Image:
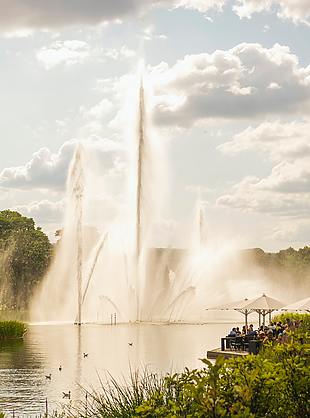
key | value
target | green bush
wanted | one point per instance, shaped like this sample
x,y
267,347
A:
x,y
275,383
303,318
12,329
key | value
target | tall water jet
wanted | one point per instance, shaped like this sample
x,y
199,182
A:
x,y
199,228
98,250
76,179
140,169
59,297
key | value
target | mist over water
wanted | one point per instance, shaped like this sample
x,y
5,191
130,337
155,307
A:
x,y
107,270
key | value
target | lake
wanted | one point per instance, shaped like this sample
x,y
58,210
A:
x,y
110,349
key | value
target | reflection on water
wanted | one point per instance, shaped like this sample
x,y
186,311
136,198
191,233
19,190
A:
x,y
24,365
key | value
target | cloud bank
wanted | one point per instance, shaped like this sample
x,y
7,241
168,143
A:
x,y
286,190
44,211
48,14
246,81
295,10
48,171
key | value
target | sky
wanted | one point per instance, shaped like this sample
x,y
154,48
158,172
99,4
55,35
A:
x,y
231,101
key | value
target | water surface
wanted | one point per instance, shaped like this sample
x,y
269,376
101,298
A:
x,y
25,365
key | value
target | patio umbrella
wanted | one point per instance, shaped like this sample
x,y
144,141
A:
x,y
300,305
264,305
238,306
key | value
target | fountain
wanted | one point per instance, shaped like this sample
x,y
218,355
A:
x,y
117,276
140,167
77,181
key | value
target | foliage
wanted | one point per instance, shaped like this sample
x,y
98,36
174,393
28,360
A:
x,y
285,263
117,400
26,254
289,316
12,329
275,383
254,386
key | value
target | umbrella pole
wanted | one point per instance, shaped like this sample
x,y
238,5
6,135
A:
x,y
269,317
246,319
259,318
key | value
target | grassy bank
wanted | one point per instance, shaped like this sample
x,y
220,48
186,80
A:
x,y
10,330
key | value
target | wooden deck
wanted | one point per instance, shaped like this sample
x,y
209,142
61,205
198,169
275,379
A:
x,y
213,354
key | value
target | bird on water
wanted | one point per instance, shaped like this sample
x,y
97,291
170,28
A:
x,y
66,394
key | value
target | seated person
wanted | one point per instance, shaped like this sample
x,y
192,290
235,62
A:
x,y
244,330
251,331
232,333
261,336
238,332
269,337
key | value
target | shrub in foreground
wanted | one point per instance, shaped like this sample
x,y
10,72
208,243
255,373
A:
x,y
275,383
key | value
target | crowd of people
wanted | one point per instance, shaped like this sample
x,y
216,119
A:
x,y
275,331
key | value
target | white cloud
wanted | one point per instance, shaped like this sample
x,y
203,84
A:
x,y
245,8
48,171
149,33
98,111
96,117
270,195
246,81
50,14
286,190
201,5
71,52
58,13
295,10
287,231
21,33
266,28
33,14
68,52
44,211
117,54
279,140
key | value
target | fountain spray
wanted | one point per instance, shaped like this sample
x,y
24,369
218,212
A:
x,y
77,181
140,168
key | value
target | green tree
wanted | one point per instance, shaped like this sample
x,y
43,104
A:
x,y
27,253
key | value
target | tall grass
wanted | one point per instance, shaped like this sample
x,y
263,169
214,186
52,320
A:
x,y
12,329
116,400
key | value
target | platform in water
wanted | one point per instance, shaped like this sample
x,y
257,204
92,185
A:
x,y
217,352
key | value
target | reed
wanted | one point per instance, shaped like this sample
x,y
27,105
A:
x,y
116,400
11,330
